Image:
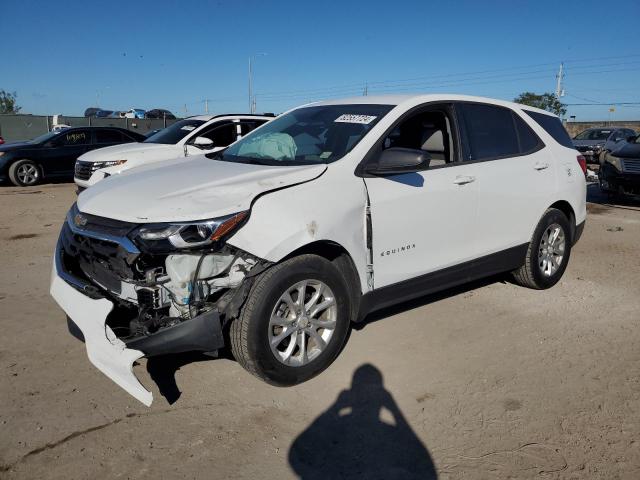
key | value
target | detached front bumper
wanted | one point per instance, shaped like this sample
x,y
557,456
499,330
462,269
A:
x,y
88,309
622,182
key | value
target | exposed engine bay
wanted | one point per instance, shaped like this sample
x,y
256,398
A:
x,y
154,288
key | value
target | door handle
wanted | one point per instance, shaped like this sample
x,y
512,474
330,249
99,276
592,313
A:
x,y
541,166
463,180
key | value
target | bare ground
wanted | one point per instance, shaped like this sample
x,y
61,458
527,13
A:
x,y
486,381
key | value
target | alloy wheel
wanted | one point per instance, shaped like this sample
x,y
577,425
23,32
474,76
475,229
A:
x,y
27,174
551,250
302,322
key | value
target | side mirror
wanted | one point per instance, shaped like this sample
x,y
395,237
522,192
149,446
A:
x,y
203,142
631,138
396,161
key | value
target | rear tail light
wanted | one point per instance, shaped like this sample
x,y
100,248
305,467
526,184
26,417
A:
x,y
1,140
583,163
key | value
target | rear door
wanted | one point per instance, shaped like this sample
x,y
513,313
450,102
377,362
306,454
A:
x,y
515,175
105,137
424,221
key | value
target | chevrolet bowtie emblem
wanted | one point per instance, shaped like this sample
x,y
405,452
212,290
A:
x,y
80,220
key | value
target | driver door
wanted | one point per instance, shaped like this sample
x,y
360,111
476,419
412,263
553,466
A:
x,y
423,222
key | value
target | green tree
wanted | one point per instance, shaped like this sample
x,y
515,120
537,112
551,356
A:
x,y
546,101
8,102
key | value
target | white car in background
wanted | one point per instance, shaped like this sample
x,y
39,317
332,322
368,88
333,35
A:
x,y
191,136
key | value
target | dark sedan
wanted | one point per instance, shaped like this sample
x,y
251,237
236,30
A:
x,y
620,169
594,142
54,154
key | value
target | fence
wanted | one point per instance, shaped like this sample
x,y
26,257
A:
x,y
16,128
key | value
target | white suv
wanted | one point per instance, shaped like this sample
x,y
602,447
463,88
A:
x,y
191,136
274,246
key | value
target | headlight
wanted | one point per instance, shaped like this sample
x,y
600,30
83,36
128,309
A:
x,y
168,236
112,163
615,161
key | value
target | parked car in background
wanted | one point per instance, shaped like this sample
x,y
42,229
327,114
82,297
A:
x,y
91,111
160,113
134,113
595,141
275,245
103,113
191,136
620,169
54,154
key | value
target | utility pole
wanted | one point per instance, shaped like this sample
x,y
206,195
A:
x,y
252,99
206,105
366,89
559,78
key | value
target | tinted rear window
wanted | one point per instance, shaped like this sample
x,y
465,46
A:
x,y
490,132
553,127
529,141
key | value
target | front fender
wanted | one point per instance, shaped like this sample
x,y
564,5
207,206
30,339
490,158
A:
x,y
329,208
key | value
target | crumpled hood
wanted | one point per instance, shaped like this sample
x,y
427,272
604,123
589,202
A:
x,y
188,189
627,150
120,152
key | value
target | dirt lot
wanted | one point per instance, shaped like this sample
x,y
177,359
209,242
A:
x,y
488,381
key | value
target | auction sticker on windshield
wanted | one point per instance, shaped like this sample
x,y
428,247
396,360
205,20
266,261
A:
x,y
353,118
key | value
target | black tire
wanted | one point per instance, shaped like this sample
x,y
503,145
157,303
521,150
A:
x,y
530,274
250,332
18,176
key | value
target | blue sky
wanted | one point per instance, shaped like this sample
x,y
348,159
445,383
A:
x,y
61,57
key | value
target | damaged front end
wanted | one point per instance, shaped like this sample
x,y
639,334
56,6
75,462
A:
x,y
149,289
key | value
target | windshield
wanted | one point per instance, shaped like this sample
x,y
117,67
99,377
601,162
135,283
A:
x,y
176,132
307,135
44,137
595,134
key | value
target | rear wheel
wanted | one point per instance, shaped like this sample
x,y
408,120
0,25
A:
x,y
294,322
548,252
25,173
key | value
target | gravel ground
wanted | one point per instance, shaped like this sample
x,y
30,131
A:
x,y
486,381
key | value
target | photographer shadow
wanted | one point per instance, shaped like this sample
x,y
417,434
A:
x,y
353,440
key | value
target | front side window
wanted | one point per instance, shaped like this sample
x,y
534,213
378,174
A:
x,y
221,134
308,135
176,132
490,132
428,131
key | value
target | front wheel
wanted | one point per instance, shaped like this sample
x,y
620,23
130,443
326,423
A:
x,y
548,252
24,173
294,321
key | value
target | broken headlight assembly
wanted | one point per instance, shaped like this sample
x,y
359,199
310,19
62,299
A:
x,y
167,237
615,161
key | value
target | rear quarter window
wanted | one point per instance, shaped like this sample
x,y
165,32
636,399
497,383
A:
x,y
552,126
